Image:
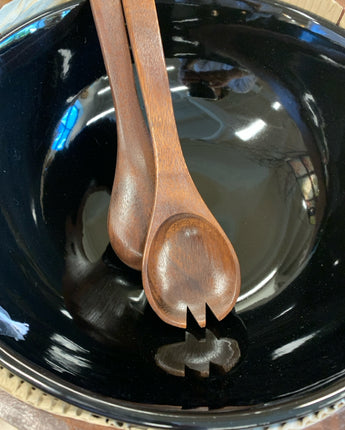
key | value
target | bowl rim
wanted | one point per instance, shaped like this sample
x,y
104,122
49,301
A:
x,y
235,417
299,405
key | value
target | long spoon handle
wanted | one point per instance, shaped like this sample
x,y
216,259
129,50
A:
x,y
173,183
112,34
133,190
144,33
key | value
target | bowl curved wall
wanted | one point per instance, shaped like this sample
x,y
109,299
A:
x,y
265,149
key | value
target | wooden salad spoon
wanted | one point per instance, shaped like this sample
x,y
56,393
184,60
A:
x,y
188,260
133,189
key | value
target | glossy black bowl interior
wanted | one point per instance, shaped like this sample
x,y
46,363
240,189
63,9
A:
x,y
270,164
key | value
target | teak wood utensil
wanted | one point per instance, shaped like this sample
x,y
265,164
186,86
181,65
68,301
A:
x,y
133,189
188,260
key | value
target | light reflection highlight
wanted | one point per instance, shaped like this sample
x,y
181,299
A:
x,y
260,285
18,35
276,106
252,130
179,88
33,211
311,103
29,29
66,55
66,313
104,91
284,312
101,115
57,338
292,346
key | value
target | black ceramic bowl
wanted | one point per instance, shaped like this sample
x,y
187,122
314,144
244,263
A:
x,y
267,154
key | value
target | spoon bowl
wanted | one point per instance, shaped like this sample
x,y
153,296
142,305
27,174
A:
x,y
188,257
133,188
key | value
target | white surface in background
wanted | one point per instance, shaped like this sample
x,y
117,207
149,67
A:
x,y
19,11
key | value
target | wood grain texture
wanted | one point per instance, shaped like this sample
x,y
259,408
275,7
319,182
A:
x,y
334,422
342,21
133,189
341,2
79,425
188,260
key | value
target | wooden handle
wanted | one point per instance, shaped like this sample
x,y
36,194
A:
x,y
111,31
133,190
173,183
144,33
188,260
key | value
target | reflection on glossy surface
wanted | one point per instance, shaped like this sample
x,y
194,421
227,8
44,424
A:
x,y
199,355
272,216
103,296
94,220
268,162
9,327
29,29
290,347
66,125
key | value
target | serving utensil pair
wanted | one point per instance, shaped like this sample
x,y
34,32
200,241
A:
x,y
158,222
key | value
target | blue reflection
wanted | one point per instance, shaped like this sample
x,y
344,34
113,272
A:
x,y
315,30
66,125
315,27
65,12
308,37
28,29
